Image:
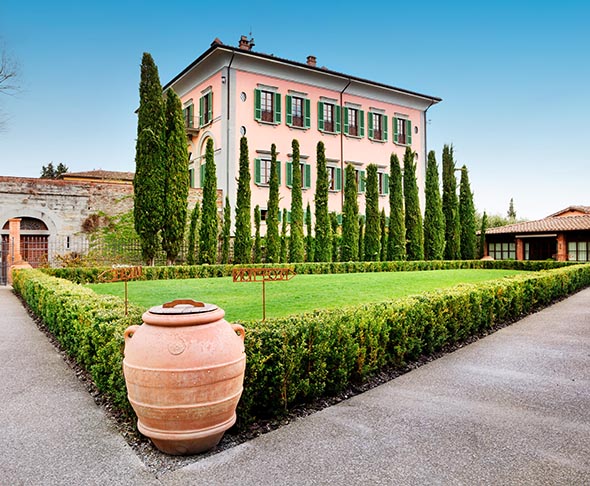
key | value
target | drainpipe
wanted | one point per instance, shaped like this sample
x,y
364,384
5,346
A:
x,y
342,175
228,122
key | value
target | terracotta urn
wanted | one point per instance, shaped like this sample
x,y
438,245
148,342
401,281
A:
x,y
184,370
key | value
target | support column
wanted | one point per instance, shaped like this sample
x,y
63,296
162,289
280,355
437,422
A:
x,y
519,249
561,248
15,259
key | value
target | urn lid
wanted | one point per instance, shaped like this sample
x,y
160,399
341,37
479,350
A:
x,y
183,307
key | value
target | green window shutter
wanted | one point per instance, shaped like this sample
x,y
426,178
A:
x,y
320,116
385,184
339,218
345,120
280,215
210,111
201,111
362,181
279,171
202,176
277,107
307,176
257,171
257,111
289,217
370,124
395,134
361,121
385,121
408,132
191,115
338,181
289,110
338,114
191,177
307,114
289,174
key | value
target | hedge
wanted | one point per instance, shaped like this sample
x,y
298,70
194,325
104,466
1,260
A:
x,y
299,358
91,275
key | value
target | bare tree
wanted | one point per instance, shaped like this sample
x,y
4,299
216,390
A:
x,y
8,77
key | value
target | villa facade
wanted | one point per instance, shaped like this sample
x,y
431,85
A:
x,y
230,92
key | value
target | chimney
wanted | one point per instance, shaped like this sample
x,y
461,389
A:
x,y
246,44
311,61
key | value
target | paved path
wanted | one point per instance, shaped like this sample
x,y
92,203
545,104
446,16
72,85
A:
x,y
513,408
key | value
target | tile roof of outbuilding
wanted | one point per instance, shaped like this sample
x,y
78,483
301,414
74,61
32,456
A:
x,y
548,225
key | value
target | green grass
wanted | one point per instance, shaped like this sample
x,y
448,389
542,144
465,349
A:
x,y
304,293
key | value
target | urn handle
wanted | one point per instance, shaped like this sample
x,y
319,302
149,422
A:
x,y
130,331
174,303
240,330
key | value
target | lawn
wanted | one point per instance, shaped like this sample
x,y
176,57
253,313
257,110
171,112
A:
x,y
243,301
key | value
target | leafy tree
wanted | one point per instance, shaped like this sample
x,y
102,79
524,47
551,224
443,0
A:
x,y
192,235
49,172
350,216
414,229
396,242
257,240
273,242
176,179
372,228
243,239
148,183
336,238
309,237
511,212
383,241
296,244
226,232
284,245
450,206
209,223
434,222
323,245
467,217
482,235
361,237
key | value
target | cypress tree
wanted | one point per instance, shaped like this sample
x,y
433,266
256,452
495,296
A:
x,y
361,238
434,223
450,206
336,238
209,223
148,183
414,229
482,234
283,253
383,242
396,242
273,242
257,240
511,212
309,237
192,236
225,234
350,216
467,217
323,245
372,224
243,239
296,244
176,179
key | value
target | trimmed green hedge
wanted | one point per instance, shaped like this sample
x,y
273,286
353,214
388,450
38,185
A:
x,y
299,358
91,275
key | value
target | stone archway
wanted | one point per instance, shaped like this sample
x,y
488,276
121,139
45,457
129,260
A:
x,y
33,241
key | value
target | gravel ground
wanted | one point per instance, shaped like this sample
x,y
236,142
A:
x,y
160,463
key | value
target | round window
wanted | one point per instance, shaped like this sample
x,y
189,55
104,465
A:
x,y
242,131
243,96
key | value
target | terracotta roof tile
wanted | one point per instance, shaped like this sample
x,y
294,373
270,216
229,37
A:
x,y
551,224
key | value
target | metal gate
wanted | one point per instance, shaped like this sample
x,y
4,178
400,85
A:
x,y
4,260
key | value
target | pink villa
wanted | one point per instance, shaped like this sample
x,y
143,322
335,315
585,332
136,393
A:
x,y
230,92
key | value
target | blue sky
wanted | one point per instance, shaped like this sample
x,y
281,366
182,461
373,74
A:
x,y
513,77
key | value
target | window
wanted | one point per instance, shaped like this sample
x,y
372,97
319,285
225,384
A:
x,y
262,171
328,117
206,109
377,126
502,251
578,251
334,178
202,176
297,111
383,183
267,106
402,131
305,175
360,180
189,116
